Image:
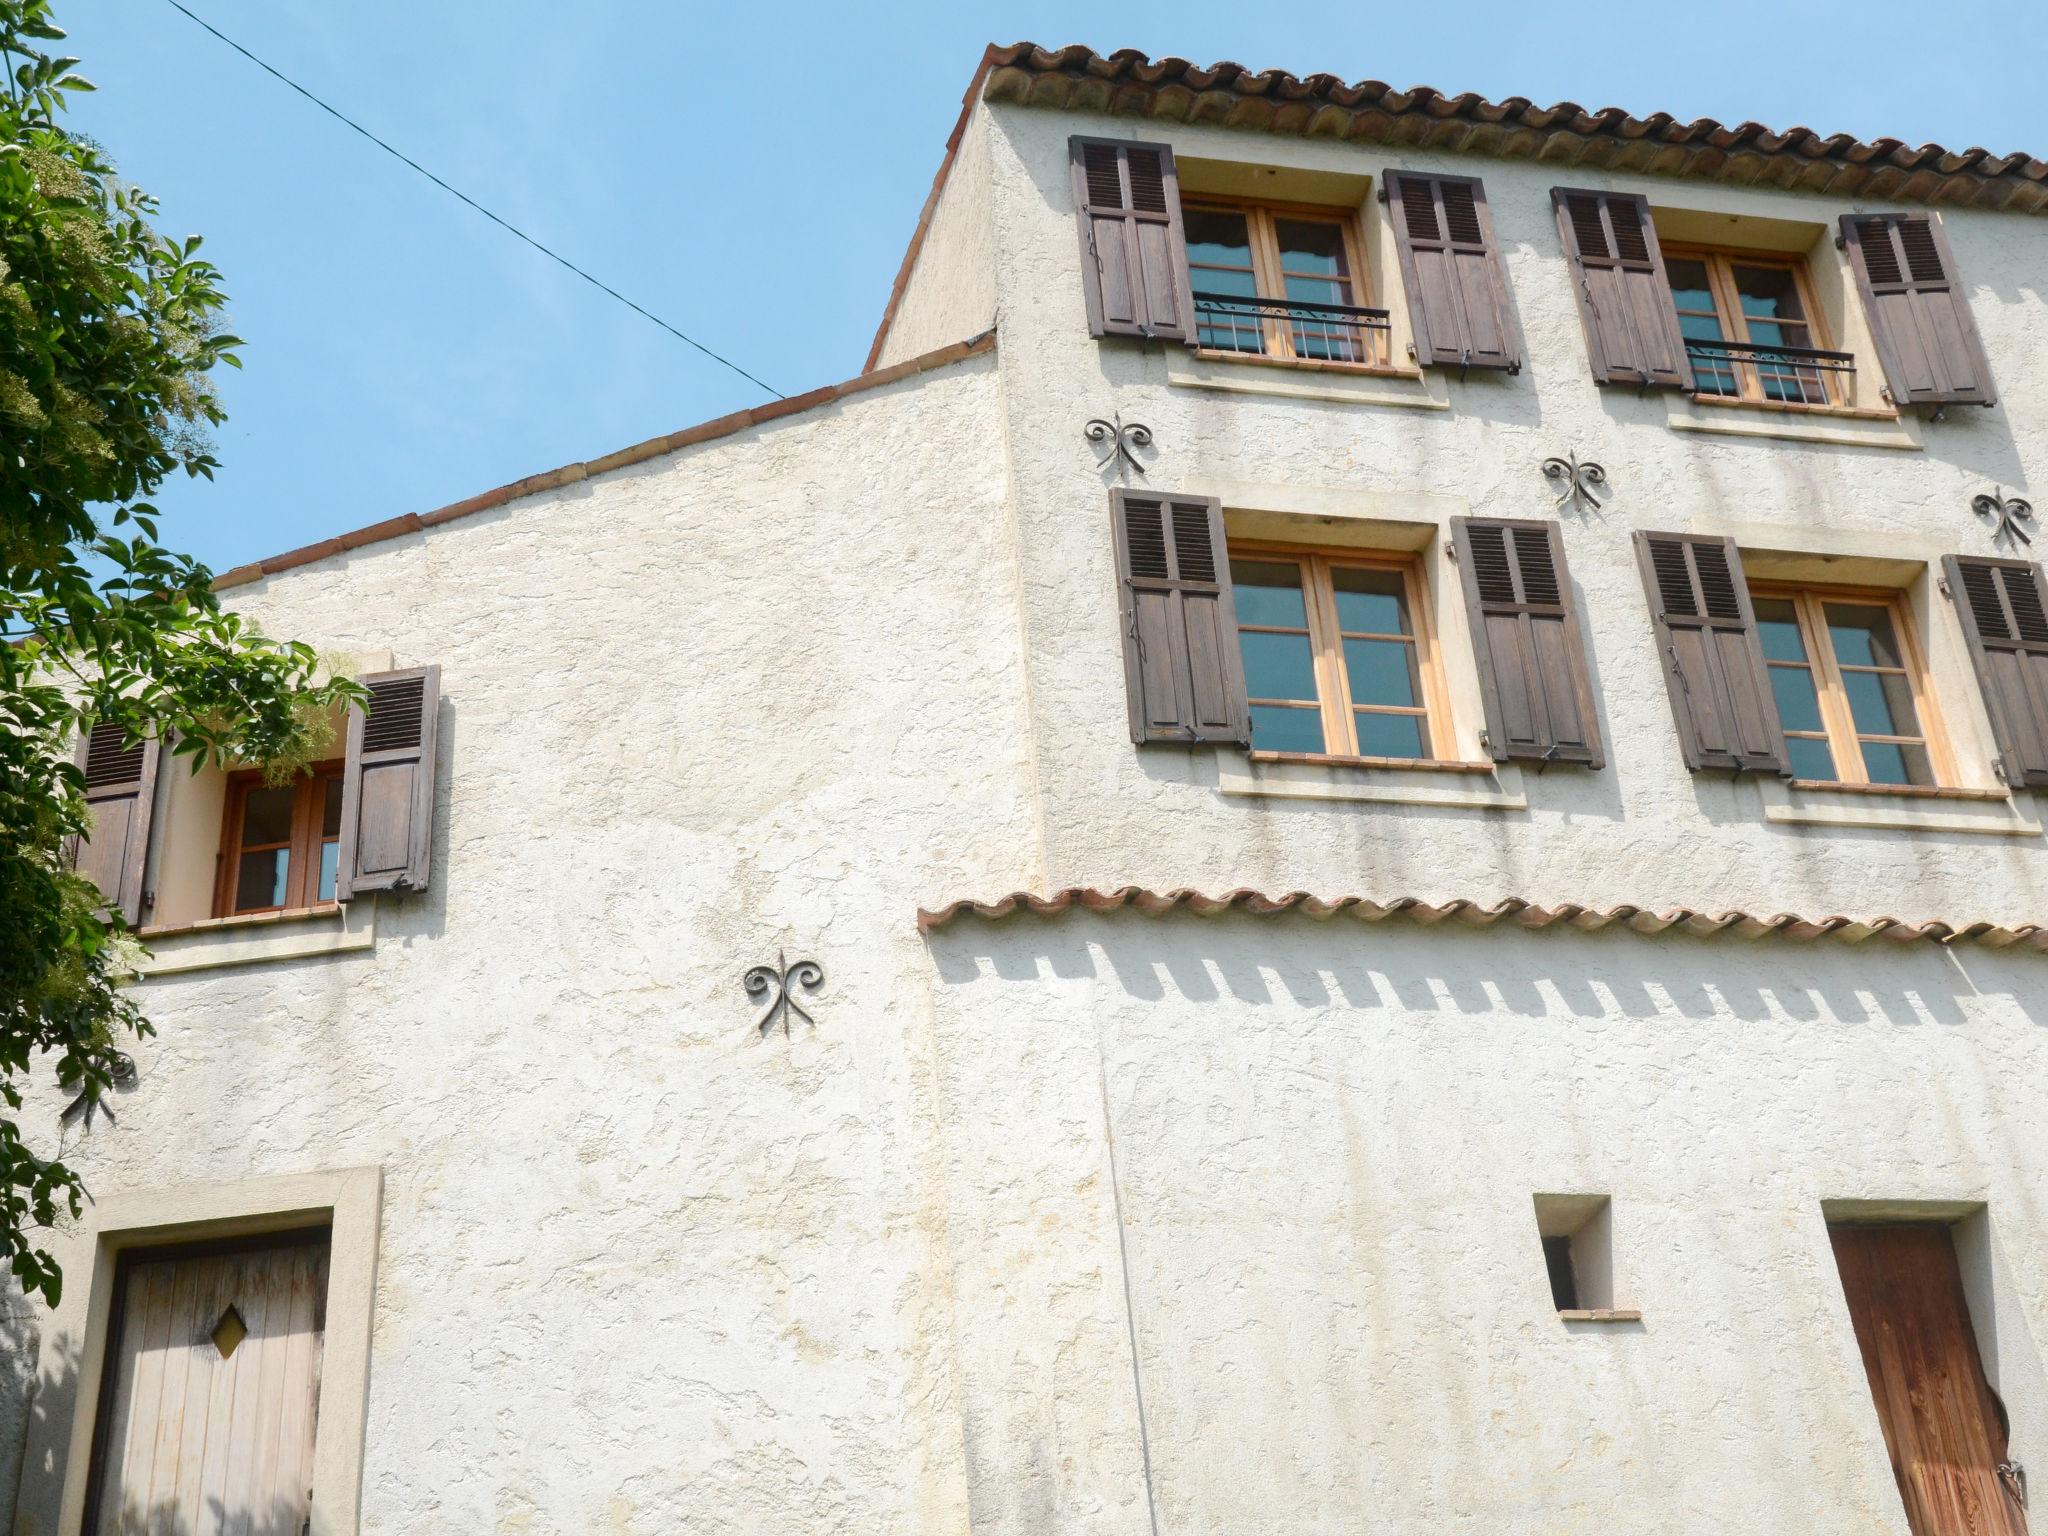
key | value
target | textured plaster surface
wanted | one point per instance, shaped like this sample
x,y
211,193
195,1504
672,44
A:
x,y
951,294
1643,830
642,1270
1324,1145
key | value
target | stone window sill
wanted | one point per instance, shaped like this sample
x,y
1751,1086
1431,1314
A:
x,y
1288,378
1794,408
1387,781
1599,1315
1812,803
1900,791
1307,364
291,935
1841,425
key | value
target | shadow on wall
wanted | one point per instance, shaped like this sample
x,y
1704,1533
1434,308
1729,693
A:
x,y
19,1339
1403,967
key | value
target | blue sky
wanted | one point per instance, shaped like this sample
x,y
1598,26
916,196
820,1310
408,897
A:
x,y
751,173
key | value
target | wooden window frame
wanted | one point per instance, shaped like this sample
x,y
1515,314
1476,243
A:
x,y
1844,741
1270,283
1720,262
1333,694
302,888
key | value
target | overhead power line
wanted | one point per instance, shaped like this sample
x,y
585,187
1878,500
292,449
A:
x,y
505,224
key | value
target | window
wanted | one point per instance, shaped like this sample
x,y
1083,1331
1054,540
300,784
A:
x,y
1338,654
1282,281
1850,685
279,843
1752,330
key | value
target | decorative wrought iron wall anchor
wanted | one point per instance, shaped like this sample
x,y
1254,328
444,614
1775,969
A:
x,y
123,1077
2008,515
1118,437
1579,484
775,985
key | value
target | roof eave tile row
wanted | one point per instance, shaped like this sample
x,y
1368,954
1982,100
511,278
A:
x,y
1127,83
1513,912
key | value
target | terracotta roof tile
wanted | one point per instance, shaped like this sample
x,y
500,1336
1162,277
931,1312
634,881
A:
x,y
1513,911
1129,84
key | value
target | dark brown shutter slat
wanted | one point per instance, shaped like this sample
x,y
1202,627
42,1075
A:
x,y
1713,656
1183,675
120,790
1624,296
2003,608
1134,258
1525,637
387,786
1450,265
1920,319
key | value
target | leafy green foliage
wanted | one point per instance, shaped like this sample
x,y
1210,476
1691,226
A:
x,y
109,332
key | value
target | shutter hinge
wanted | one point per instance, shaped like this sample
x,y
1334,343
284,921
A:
x,y
1998,772
1382,193
1841,242
1941,586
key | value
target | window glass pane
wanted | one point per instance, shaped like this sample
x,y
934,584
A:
x,y
330,860
267,816
330,815
1269,593
1219,237
1798,699
1390,735
1311,248
1381,672
1778,627
1371,602
1767,294
260,879
1276,729
1811,759
1277,666
1689,290
1888,762
1862,635
1881,704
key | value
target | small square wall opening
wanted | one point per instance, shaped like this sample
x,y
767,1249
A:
x,y
1578,1253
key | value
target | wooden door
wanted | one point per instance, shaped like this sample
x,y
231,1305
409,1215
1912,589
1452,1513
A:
x,y
213,1379
1941,1424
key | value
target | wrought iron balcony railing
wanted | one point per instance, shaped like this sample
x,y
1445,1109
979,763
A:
x,y
1333,333
1796,375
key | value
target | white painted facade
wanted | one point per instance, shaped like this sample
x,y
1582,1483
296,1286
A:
x,y
1113,1223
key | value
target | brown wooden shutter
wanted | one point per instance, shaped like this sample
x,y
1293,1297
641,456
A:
x,y
2003,606
387,786
1450,265
1624,297
1941,1426
120,789
1134,255
1919,317
1525,637
1713,657
1182,670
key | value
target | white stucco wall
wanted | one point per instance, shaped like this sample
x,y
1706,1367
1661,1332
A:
x,y
1643,830
1323,1140
642,1270
951,292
